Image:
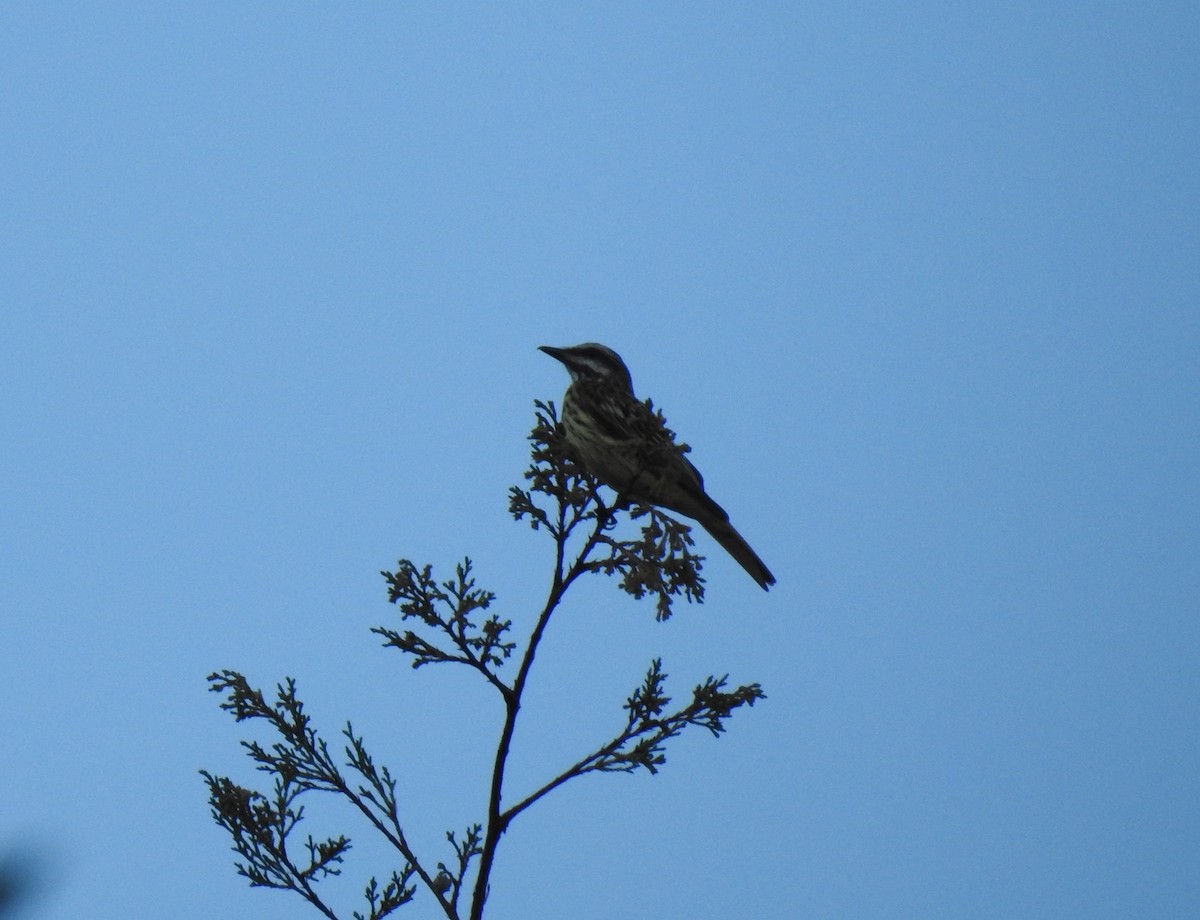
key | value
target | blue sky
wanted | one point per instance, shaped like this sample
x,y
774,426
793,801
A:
x,y
919,285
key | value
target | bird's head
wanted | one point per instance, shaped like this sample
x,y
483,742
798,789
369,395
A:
x,y
590,361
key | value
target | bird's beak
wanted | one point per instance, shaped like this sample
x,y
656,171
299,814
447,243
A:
x,y
553,352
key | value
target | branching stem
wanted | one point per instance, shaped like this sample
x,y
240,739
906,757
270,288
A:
x,y
497,820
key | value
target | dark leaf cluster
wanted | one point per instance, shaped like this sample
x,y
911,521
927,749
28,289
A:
x,y
300,762
648,727
446,608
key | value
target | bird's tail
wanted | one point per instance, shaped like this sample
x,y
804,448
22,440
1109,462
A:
x,y
725,534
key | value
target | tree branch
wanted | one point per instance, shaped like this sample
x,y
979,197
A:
x,y
453,623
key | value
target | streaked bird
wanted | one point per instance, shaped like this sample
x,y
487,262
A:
x,y
618,439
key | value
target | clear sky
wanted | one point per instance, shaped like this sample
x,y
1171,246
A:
x,y
920,284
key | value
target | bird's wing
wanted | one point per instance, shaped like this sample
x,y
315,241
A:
x,y
680,486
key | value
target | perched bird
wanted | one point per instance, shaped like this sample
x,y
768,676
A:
x,y
619,440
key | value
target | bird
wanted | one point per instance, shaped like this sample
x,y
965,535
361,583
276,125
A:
x,y
623,443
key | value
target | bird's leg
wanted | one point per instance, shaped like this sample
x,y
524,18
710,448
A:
x,y
624,499
607,514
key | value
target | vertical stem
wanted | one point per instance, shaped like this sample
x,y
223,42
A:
x,y
512,705
497,822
